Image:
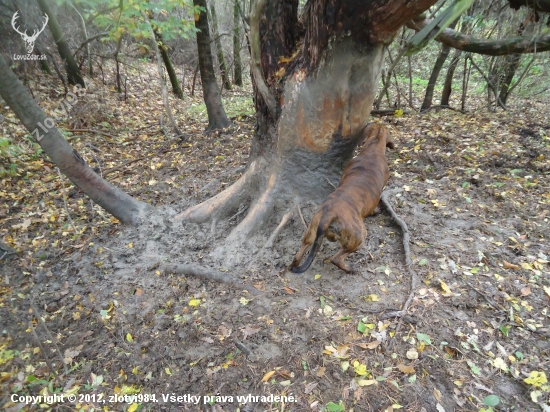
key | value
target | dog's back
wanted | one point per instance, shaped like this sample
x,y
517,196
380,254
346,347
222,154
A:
x,y
340,217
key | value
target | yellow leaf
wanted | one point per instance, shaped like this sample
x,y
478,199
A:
x,y
135,371
398,113
167,370
536,378
372,298
244,301
129,390
130,245
129,337
195,303
133,407
360,368
317,276
268,375
446,289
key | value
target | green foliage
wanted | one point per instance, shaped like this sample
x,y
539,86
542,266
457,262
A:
x,y
234,106
171,18
7,151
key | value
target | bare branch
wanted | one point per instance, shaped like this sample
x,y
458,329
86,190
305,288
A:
x,y
456,40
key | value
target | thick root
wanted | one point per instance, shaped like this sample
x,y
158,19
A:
x,y
225,201
257,215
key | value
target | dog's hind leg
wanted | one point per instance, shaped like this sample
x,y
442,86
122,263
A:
x,y
338,259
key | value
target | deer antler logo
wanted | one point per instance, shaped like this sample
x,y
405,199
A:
x,y
29,40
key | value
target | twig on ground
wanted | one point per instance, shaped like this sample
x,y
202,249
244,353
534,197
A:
x,y
489,301
442,106
209,274
408,261
91,131
240,212
57,350
301,216
65,201
137,159
242,347
284,220
330,183
46,358
123,165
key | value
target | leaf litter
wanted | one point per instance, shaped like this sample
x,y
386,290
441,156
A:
x,y
475,198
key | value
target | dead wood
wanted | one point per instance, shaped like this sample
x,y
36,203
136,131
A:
x,y
208,274
408,261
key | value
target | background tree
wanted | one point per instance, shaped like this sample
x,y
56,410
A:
x,y
217,119
73,71
163,49
237,64
219,49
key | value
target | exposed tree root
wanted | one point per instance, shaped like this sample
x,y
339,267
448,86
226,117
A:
x,y
224,201
408,262
257,214
286,217
207,273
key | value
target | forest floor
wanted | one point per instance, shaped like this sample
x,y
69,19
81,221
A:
x,y
474,192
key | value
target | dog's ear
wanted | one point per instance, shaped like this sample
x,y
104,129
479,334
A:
x,y
389,139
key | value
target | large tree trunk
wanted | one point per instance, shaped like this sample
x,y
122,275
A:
x,y
218,42
237,64
217,119
511,65
73,71
314,90
113,200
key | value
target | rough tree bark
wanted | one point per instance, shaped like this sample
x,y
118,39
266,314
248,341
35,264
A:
x,y
219,49
314,88
73,72
113,200
237,64
217,119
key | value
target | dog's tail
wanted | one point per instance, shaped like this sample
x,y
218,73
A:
x,y
324,224
305,266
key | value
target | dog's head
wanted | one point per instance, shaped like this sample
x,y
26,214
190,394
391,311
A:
x,y
378,131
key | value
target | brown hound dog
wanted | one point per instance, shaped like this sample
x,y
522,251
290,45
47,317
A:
x,y
340,217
